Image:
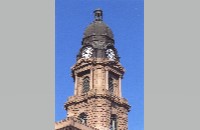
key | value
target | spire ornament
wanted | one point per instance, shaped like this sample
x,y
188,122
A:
x,y
98,15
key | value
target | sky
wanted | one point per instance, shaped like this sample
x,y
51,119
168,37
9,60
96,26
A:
x,y
126,20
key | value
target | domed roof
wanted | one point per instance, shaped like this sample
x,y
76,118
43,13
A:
x,y
98,27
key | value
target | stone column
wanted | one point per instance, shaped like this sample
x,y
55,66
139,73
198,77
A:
x,y
75,87
120,89
106,78
91,78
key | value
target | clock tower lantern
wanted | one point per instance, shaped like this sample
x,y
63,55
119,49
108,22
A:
x,y
97,102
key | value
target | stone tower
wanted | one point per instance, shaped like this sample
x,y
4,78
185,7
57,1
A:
x,y
97,101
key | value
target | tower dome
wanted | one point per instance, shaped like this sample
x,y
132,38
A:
x,y
98,39
98,27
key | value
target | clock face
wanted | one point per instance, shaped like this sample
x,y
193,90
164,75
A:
x,y
110,54
87,52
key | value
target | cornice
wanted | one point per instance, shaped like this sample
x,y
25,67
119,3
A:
x,y
104,94
86,64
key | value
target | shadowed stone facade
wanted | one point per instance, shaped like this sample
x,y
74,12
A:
x,y
97,103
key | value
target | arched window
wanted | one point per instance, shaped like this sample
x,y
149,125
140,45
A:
x,y
110,85
86,84
83,118
113,122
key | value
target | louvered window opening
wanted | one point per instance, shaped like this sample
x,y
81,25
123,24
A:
x,y
111,85
86,84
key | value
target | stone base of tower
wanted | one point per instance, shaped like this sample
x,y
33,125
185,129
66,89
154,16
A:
x,y
99,106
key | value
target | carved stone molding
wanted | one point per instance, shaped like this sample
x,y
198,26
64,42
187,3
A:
x,y
105,94
87,64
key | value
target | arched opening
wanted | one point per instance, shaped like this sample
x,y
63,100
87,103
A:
x,y
86,84
83,118
113,122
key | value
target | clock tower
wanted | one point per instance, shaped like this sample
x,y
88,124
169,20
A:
x,y
97,102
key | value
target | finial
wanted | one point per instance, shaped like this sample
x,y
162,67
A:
x,y
98,15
